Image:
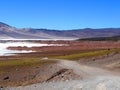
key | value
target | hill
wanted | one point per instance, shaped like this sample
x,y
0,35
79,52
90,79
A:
x,y
10,32
114,38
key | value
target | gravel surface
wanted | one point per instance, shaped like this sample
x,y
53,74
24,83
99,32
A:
x,y
97,83
92,79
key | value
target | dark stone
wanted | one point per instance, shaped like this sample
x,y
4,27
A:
x,y
93,59
1,88
6,78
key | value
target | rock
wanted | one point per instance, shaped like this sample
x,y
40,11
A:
x,y
17,69
6,78
1,88
101,86
78,87
45,58
67,80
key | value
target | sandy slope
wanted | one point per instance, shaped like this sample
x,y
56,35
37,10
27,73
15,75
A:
x,y
92,79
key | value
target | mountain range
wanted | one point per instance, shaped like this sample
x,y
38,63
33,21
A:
x,y
10,32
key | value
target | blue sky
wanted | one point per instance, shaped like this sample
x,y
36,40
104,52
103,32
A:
x,y
61,14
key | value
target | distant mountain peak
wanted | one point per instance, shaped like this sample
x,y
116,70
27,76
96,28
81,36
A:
x,y
4,25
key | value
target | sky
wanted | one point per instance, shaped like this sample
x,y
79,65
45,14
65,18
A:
x,y
61,14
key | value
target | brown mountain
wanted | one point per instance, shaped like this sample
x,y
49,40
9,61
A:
x,y
9,32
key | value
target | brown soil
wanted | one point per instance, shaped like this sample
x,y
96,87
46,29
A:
x,y
27,75
52,72
110,61
73,45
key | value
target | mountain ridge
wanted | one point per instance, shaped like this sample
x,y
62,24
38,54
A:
x,y
10,32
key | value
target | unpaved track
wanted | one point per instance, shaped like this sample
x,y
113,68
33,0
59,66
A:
x,y
82,69
92,79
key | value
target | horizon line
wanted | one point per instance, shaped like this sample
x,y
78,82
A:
x,y
61,29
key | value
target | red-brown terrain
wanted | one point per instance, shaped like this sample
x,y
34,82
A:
x,y
37,73
72,45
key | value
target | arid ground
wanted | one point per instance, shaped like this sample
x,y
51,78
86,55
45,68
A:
x,y
75,65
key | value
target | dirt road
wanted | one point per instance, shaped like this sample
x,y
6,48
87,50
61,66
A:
x,y
92,79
